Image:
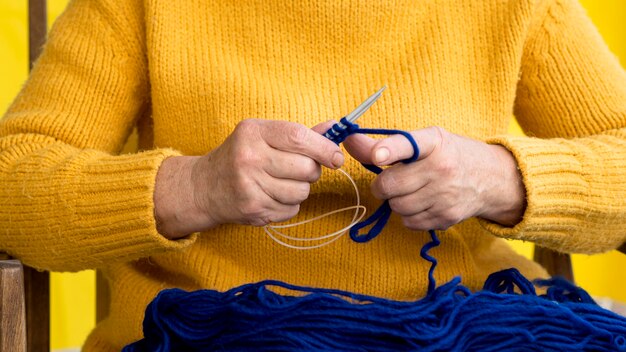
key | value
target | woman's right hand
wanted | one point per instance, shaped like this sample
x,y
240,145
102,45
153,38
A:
x,y
260,174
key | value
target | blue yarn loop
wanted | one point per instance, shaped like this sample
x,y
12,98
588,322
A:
x,y
506,315
380,217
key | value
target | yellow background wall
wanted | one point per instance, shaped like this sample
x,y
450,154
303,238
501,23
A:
x,y
73,295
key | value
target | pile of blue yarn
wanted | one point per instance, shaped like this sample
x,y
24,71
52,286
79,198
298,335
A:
x,y
252,317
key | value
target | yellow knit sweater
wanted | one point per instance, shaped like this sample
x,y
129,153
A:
x,y
186,72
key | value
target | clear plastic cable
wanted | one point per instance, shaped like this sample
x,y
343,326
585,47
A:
x,y
359,212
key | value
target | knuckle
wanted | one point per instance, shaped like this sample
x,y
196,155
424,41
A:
x,y
285,215
252,209
440,132
326,149
301,192
317,173
410,222
452,217
385,184
393,182
454,193
297,135
311,170
247,126
245,156
440,136
446,225
398,205
258,222
293,211
447,167
290,194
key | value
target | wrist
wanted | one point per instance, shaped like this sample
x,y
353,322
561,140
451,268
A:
x,y
175,210
506,202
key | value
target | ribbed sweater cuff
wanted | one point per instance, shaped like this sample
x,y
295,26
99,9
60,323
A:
x,y
555,193
114,212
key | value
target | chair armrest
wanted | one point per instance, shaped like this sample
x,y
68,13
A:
x,y
12,306
557,264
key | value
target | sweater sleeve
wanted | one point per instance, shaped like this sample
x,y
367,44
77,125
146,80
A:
x,y
69,202
571,99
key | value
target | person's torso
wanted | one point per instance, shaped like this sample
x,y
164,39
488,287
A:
x,y
212,64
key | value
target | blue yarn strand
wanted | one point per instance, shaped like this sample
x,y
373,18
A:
x,y
450,317
424,254
379,218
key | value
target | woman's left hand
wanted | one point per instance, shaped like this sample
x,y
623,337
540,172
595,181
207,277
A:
x,y
455,178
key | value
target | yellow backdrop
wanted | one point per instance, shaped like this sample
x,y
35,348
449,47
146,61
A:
x,y
73,295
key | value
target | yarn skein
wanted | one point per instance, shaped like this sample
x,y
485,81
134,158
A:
x,y
252,317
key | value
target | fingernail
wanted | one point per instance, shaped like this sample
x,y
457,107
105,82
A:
x,y
338,159
381,155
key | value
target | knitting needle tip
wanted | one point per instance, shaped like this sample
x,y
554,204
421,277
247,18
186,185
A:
x,y
361,109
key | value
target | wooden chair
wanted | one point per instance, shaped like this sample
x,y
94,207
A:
x,y
25,292
25,295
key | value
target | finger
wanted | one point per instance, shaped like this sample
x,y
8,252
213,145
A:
x,y
397,147
283,212
399,180
437,217
292,166
287,192
413,203
296,138
360,147
423,221
322,127
273,212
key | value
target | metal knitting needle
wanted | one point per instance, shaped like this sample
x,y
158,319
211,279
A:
x,y
356,113
361,109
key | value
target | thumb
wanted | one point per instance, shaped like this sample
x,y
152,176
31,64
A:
x,y
397,147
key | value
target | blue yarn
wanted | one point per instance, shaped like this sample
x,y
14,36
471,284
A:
x,y
424,254
380,217
252,317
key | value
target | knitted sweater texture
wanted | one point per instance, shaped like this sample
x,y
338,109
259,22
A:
x,y
186,72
